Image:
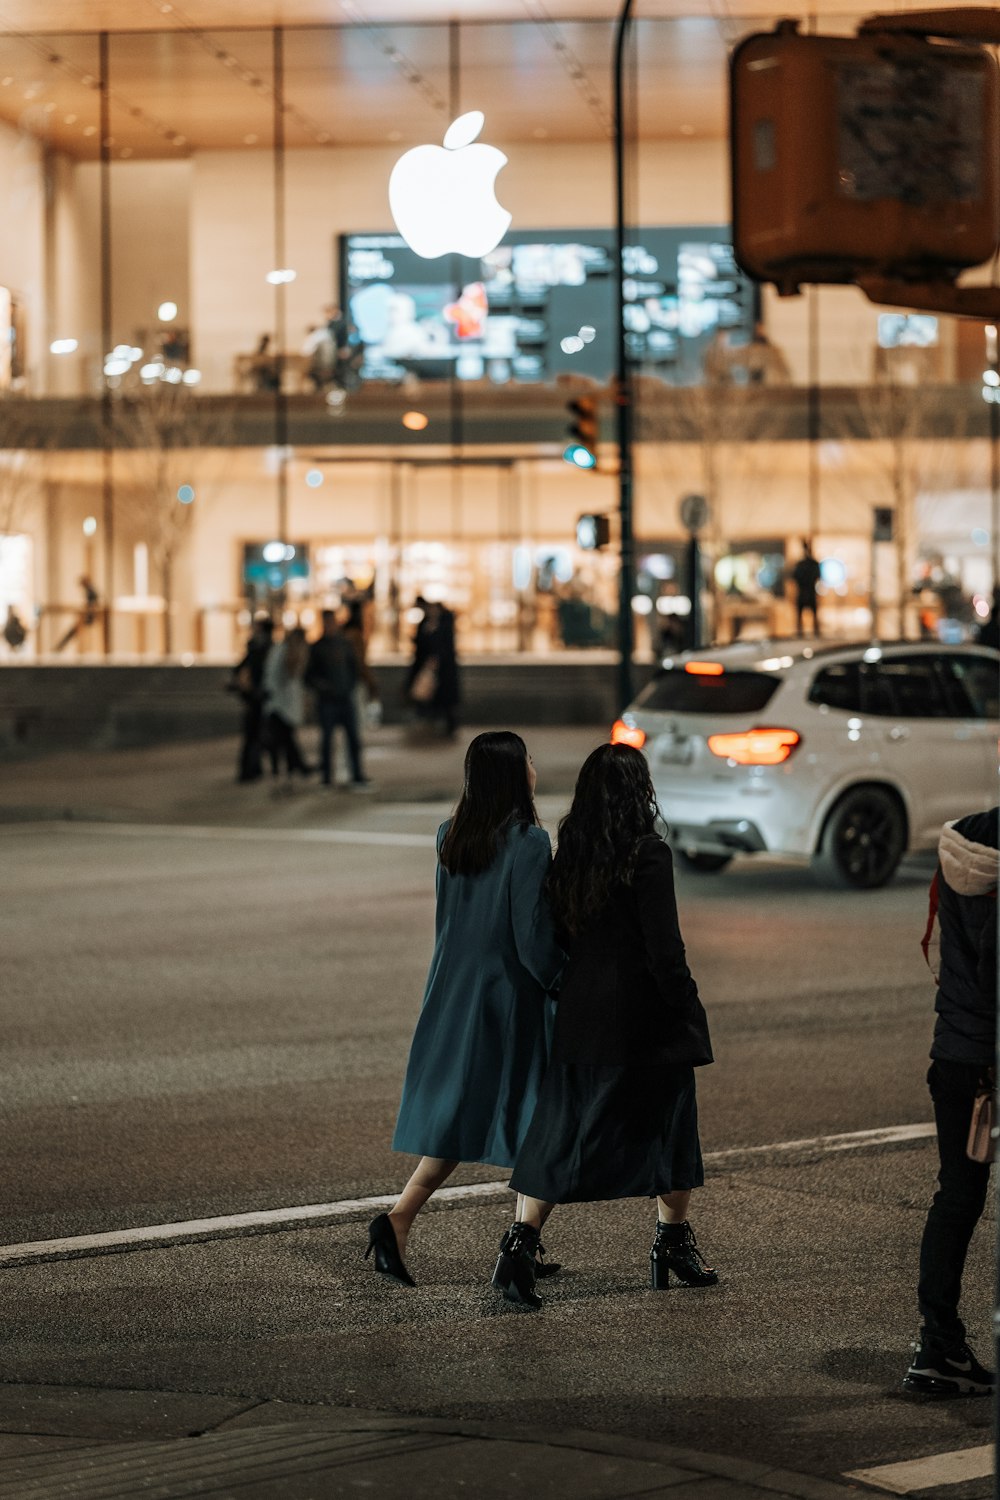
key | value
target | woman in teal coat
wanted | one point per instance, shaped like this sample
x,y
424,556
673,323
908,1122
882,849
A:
x,y
481,1044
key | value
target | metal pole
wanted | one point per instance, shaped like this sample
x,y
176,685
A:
x,y
456,395
107,409
280,296
993,359
623,376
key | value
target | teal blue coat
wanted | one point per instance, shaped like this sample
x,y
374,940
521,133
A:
x,y
482,1041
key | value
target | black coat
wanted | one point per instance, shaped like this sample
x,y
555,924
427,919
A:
x,y
628,996
965,1029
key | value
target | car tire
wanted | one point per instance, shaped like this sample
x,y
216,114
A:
x,y
703,864
863,840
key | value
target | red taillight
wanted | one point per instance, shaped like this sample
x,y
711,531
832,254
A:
x,y
704,668
625,734
755,747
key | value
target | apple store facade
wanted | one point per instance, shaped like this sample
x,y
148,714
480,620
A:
x,y
301,314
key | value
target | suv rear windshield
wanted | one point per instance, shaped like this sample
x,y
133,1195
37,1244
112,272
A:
x,y
677,691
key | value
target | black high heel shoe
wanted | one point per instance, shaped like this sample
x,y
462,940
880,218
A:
x,y
515,1268
542,1267
675,1249
388,1261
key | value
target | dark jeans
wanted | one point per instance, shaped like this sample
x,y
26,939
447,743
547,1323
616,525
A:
x,y
253,721
958,1203
283,742
331,713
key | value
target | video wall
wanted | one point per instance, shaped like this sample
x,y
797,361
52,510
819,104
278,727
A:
x,y
543,304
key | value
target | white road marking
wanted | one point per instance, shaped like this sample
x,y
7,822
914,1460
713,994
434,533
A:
x,y
251,835
263,1221
927,1473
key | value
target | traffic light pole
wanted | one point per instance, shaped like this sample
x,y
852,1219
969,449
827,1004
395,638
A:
x,y
623,377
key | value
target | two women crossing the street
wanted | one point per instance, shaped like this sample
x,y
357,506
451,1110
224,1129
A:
x,y
588,1100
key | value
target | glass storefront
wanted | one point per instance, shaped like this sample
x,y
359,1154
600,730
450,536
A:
x,y
227,383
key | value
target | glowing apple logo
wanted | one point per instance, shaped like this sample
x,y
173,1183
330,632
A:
x,y
442,197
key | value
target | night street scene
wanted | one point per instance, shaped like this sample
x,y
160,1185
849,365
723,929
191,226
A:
x,y
499,716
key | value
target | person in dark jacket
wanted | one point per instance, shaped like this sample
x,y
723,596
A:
x,y
482,1040
806,575
248,681
332,674
617,1115
963,1055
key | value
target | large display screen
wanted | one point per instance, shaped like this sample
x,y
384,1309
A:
x,y
542,304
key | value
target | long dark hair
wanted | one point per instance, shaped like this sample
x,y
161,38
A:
x,y
495,795
614,806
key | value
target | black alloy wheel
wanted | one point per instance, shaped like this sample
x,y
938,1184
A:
x,y
863,840
703,864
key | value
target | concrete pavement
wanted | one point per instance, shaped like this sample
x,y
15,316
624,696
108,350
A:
x,y
85,1444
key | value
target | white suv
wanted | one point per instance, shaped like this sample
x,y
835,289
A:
x,y
848,755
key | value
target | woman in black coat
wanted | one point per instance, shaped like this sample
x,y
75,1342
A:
x,y
616,1115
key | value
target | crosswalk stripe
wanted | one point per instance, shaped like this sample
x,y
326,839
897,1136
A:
x,y
928,1473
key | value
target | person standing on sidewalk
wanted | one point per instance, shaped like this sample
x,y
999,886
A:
x,y
617,1115
286,700
332,674
248,681
481,1043
963,1055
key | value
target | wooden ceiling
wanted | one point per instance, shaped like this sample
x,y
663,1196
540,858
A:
x,y
200,75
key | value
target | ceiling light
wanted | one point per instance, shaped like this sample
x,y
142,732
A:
x,y
166,311
90,526
63,346
278,278
250,140
70,120
90,130
416,421
192,377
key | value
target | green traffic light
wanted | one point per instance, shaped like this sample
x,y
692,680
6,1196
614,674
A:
x,y
580,456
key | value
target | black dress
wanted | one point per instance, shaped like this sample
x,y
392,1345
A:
x,y
617,1115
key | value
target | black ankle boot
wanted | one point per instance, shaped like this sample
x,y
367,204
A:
x,y
675,1249
515,1268
542,1267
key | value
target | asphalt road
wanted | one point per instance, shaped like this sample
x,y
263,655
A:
x,y
206,1022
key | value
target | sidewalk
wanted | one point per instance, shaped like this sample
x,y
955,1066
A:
x,y
79,1444
195,782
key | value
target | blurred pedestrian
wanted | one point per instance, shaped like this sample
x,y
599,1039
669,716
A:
x,y
617,1115
368,703
87,614
481,1042
432,684
989,633
806,575
248,681
284,671
332,674
963,916
15,632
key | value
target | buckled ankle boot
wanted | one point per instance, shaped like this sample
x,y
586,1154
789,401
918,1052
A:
x,y
675,1249
543,1268
515,1268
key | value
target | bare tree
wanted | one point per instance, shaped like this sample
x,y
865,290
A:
x,y
911,433
167,433
20,469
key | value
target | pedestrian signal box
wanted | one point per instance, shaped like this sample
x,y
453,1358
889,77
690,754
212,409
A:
x,y
582,432
593,532
873,155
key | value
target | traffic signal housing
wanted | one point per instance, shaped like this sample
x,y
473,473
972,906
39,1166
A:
x,y
862,157
581,450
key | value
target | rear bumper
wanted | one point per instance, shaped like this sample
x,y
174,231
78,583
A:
x,y
719,836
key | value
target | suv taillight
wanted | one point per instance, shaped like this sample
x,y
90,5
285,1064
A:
x,y
755,747
627,734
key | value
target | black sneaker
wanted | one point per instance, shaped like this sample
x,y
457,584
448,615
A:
x,y
947,1372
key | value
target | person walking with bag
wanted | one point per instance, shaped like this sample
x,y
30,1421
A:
x,y
616,1115
963,908
481,1043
